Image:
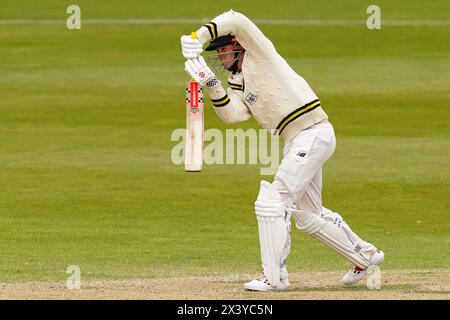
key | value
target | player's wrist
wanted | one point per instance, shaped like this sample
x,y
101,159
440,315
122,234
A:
x,y
203,35
213,82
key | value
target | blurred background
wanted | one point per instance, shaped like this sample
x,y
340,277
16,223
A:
x,y
86,117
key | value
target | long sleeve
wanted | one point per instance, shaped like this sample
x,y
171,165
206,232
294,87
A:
x,y
247,34
228,105
276,96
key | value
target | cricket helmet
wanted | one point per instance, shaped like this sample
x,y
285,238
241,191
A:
x,y
235,51
220,42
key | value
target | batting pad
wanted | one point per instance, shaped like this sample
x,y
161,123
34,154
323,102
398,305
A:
x,y
330,229
273,231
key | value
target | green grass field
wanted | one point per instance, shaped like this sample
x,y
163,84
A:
x,y
86,118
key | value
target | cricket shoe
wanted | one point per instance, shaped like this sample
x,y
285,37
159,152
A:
x,y
356,273
262,283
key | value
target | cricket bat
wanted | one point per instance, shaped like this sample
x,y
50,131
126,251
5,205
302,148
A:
x,y
193,156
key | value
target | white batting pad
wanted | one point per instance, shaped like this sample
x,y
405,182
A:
x,y
273,231
330,229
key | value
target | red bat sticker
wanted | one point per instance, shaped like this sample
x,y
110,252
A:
x,y
193,87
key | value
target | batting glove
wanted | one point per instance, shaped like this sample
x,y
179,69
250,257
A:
x,y
191,48
199,70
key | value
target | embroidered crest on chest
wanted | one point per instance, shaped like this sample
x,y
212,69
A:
x,y
251,98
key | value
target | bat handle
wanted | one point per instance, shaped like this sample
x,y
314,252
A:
x,y
193,36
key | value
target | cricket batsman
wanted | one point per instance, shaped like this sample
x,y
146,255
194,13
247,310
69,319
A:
x,y
262,85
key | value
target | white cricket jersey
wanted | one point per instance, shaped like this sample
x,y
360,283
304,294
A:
x,y
267,88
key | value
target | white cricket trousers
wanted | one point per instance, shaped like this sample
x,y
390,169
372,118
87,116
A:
x,y
299,177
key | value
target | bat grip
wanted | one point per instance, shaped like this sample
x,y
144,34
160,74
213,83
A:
x,y
193,36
